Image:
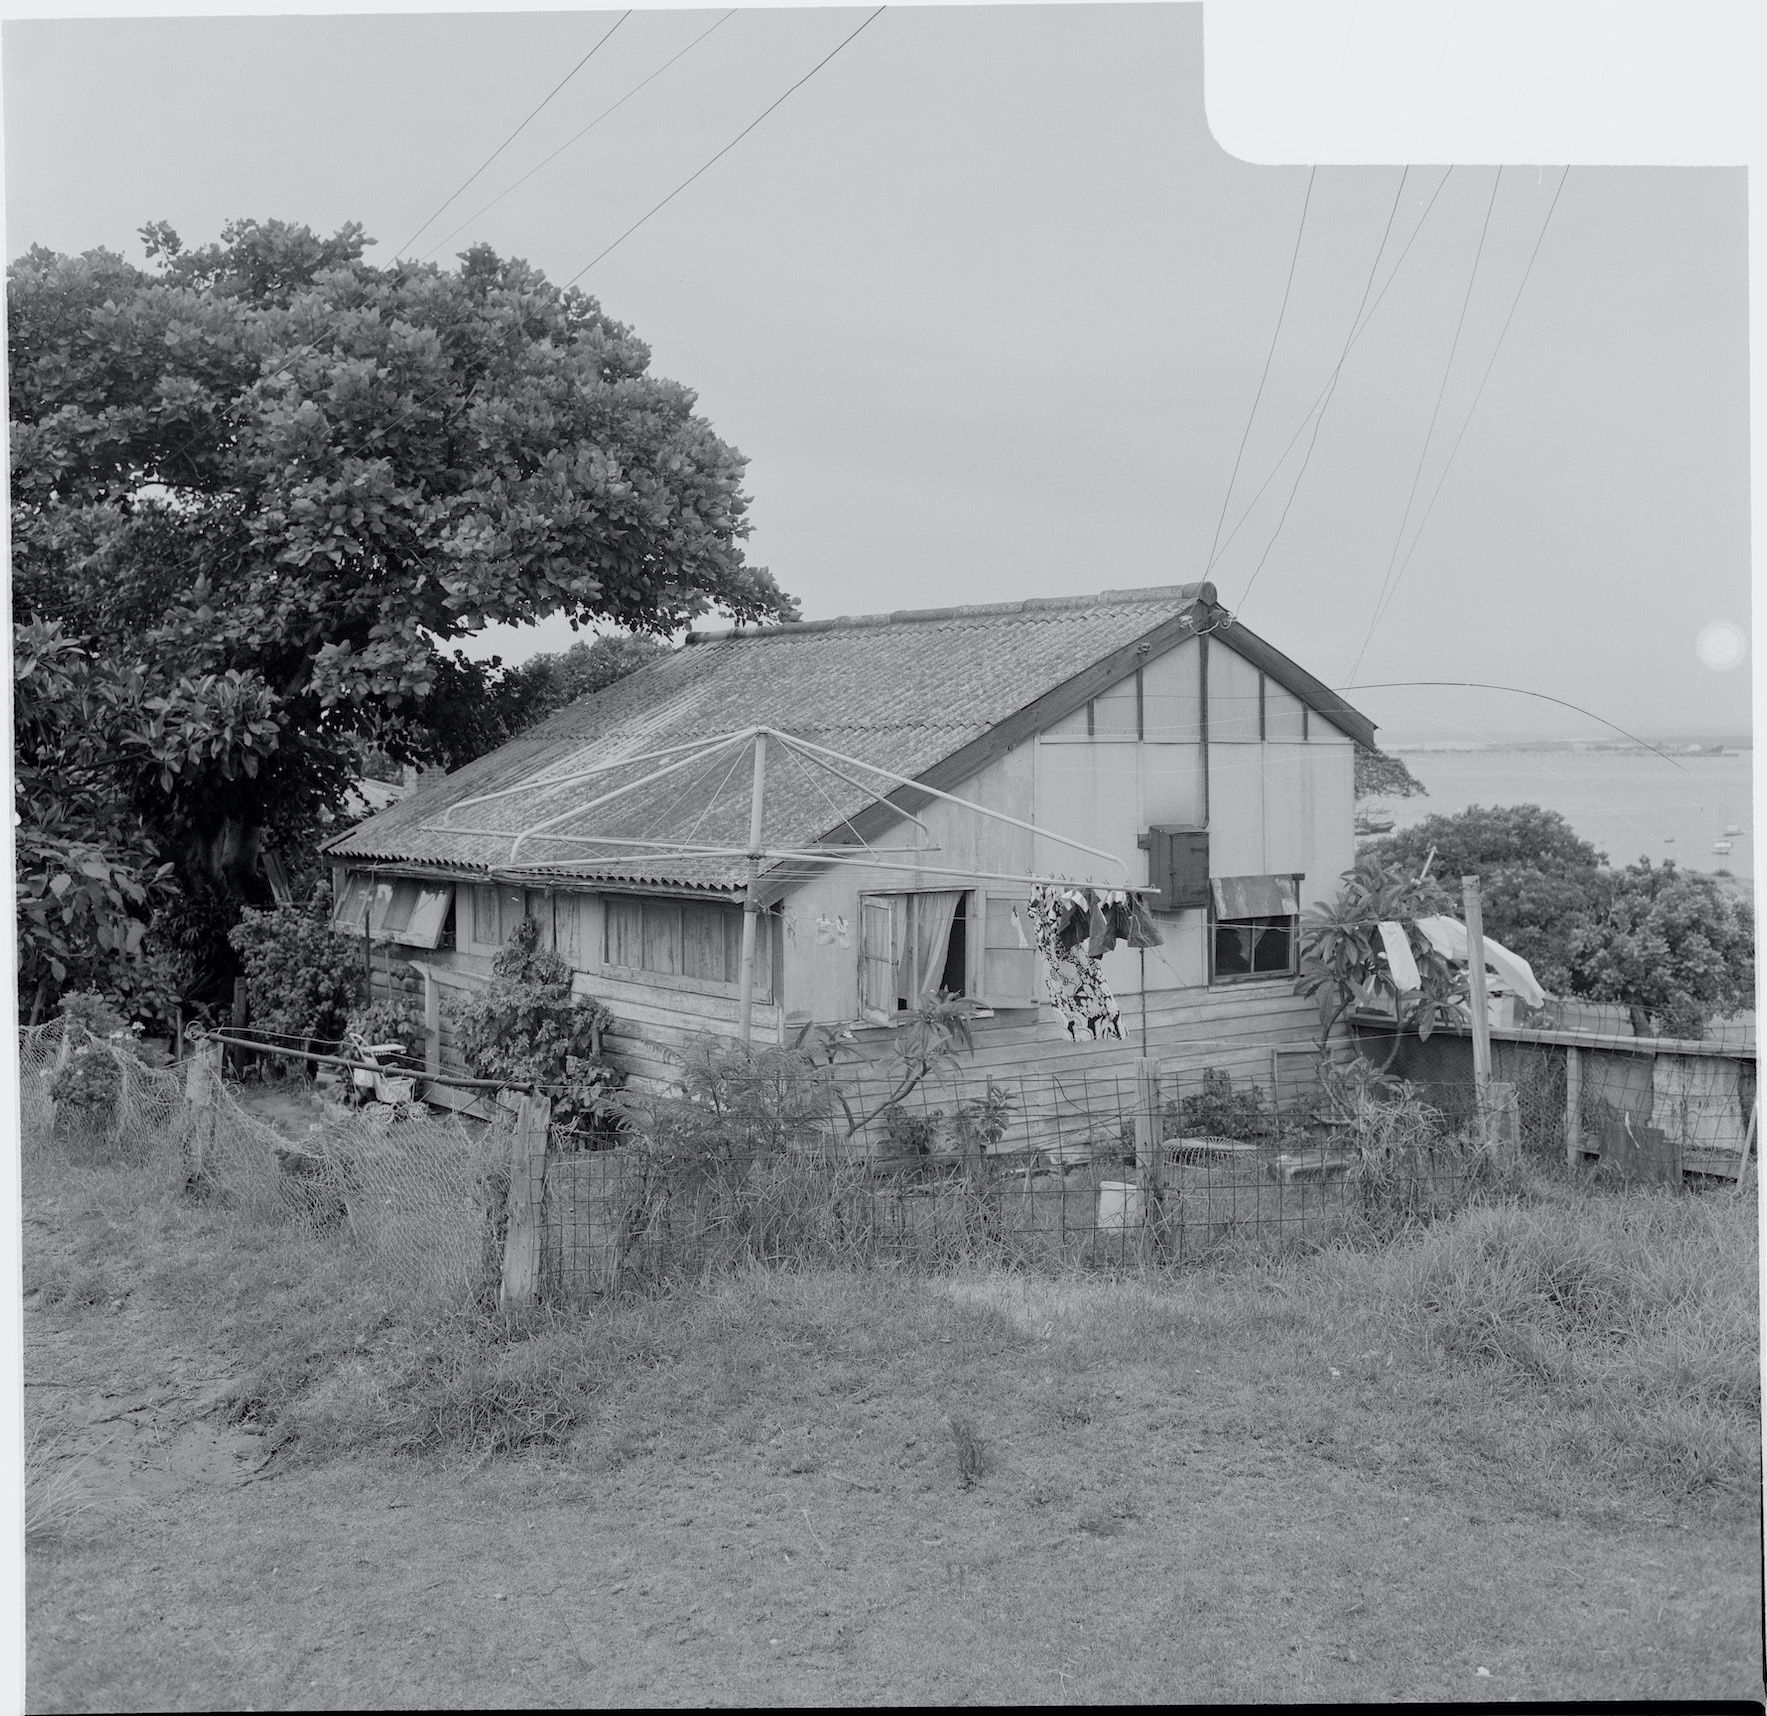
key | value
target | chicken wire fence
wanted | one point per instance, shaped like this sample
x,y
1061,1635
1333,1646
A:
x,y
418,1189
1040,1168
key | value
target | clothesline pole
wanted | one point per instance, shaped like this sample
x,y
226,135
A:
x,y
1481,1007
751,904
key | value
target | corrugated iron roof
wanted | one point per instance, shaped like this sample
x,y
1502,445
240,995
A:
x,y
902,690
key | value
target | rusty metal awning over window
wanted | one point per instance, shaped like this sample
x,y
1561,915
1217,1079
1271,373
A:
x,y
1255,896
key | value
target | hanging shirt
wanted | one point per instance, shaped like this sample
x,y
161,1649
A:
x,y
1076,987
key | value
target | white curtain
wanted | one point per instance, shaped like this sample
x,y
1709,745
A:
x,y
931,930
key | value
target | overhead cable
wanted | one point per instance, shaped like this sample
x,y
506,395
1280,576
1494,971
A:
x,y
1301,427
518,130
605,113
658,207
1275,335
1429,433
1324,404
1477,395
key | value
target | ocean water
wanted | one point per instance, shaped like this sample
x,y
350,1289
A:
x,y
1628,805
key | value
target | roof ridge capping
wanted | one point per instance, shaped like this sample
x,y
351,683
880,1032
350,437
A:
x,y
1172,595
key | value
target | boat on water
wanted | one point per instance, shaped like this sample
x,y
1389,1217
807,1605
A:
x,y
1733,829
1668,839
1374,825
1720,847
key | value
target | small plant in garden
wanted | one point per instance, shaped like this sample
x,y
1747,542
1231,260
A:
x,y
910,1134
89,1014
302,976
526,1027
395,1020
1403,1144
928,1040
1344,958
981,1121
1219,1111
85,1087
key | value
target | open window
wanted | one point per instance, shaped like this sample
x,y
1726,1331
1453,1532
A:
x,y
1254,927
410,912
966,942
910,947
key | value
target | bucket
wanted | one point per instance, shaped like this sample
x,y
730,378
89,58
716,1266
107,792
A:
x,y
1119,1205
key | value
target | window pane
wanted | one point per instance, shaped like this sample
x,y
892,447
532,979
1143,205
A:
x,y
625,940
703,943
662,936
1274,942
1233,949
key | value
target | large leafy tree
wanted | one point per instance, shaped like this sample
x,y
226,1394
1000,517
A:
x,y
1673,945
1540,883
272,486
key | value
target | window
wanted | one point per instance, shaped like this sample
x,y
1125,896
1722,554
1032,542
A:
x,y
684,938
349,896
1254,926
910,947
400,909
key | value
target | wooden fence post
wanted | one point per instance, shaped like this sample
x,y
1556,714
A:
x,y
202,1085
1504,1126
1573,1107
1480,1002
527,1184
1149,1167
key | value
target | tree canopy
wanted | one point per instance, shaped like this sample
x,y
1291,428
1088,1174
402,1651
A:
x,y
1672,945
1379,774
262,489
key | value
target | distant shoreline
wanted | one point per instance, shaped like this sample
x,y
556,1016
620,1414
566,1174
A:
x,y
1576,747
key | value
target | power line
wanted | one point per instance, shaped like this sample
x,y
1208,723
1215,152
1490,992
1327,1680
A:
x,y
1330,386
519,129
1276,334
605,113
657,208
1301,427
1478,394
1429,433
1517,690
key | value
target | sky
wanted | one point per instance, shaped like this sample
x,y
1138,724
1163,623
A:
x,y
993,316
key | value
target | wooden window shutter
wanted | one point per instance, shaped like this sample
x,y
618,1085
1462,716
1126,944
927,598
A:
x,y
1007,971
484,915
877,956
429,912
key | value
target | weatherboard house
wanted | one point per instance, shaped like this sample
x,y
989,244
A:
x,y
831,821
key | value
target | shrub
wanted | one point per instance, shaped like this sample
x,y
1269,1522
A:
x,y
526,1027
303,977
398,1020
85,1087
1219,1111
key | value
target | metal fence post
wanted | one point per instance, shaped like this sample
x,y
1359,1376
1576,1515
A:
x,y
1150,1164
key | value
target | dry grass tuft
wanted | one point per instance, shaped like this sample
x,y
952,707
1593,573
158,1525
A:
x,y
60,1490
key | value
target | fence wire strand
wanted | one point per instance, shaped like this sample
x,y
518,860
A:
x,y
1042,1168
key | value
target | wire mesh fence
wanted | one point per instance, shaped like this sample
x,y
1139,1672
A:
x,y
421,1190
1041,1169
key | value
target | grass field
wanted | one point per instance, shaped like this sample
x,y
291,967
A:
x,y
1515,1456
